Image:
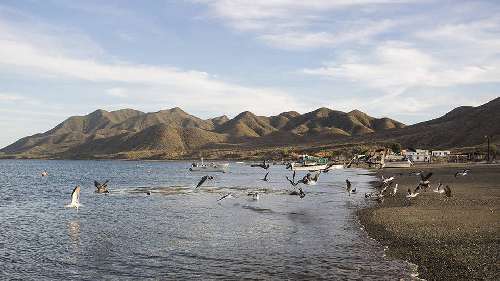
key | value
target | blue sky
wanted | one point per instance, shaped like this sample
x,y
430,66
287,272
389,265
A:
x,y
408,60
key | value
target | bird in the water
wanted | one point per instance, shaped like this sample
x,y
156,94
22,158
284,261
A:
x,y
101,187
148,192
203,180
462,173
416,173
45,174
349,188
253,195
75,198
265,177
225,196
299,192
263,165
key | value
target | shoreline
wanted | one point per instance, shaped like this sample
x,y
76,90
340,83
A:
x,y
447,238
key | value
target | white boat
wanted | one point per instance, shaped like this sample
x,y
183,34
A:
x,y
311,163
210,167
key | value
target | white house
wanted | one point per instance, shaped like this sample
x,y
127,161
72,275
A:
x,y
440,153
419,155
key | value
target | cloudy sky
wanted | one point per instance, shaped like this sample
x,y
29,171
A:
x,y
408,60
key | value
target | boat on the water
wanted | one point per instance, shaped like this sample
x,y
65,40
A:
x,y
210,167
311,163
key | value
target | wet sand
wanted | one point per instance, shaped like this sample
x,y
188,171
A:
x,y
453,238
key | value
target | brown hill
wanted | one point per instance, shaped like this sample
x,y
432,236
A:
x,y
462,127
174,133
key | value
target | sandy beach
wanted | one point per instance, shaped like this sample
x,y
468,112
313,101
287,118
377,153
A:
x,y
453,238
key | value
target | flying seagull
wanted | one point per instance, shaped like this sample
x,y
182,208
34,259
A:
x,y
75,198
462,173
101,187
227,195
292,181
424,180
309,179
265,177
203,180
45,174
263,165
387,180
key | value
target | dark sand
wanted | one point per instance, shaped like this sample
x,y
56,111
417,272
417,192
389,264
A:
x,y
453,238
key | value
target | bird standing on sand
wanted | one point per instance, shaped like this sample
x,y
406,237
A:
x,y
265,177
75,198
462,173
263,165
101,187
203,180
411,194
394,190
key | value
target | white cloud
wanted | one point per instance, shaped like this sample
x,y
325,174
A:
x,y
10,97
395,67
187,87
287,23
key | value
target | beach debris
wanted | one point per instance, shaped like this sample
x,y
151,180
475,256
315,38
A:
x,y
462,173
265,177
203,180
263,165
101,187
75,198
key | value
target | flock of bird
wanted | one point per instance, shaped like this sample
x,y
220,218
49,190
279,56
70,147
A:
x,y
387,186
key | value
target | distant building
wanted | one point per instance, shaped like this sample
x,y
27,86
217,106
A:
x,y
418,155
441,153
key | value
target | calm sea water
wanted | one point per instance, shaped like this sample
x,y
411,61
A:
x,y
176,233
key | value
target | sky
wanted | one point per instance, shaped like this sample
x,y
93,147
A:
x,y
410,60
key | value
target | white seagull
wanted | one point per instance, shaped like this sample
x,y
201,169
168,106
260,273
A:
x,y
387,180
75,199
439,189
410,194
254,195
45,174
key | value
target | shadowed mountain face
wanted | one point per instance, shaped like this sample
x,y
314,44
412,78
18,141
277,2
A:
x,y
176,133
463,126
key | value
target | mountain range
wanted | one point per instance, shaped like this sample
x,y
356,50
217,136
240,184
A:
x,y
174,134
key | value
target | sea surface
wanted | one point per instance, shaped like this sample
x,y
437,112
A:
x,y
181,233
